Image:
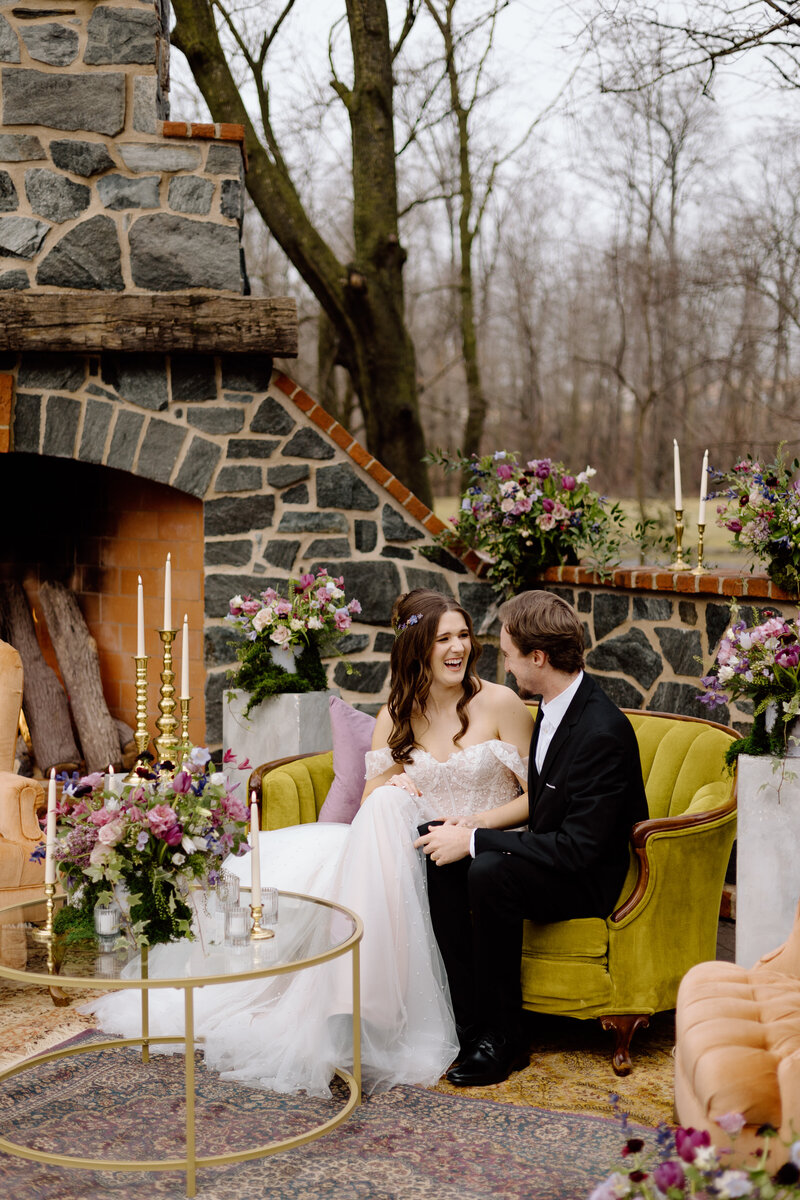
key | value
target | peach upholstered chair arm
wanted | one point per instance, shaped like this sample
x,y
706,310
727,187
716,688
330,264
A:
x,y
21,800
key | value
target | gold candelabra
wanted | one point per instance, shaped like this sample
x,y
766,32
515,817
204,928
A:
x,y
185,744
679,563
700,569
141,735
167,742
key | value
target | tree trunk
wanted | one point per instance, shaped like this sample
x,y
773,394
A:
x,y
364,300
43,700
80,668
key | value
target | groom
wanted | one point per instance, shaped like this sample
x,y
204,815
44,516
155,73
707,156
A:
x,y
585,792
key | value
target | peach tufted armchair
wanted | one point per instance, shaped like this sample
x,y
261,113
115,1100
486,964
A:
x,y
21,799
737,1033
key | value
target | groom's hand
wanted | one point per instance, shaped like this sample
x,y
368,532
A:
x,y
445,843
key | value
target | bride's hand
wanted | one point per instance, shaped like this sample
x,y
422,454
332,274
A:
x,y
404,782
476,821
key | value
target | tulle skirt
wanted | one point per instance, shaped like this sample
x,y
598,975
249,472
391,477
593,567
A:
x,y
287,1033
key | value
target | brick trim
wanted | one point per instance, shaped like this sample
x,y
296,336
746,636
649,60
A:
x,y
223,131
658,579
362,457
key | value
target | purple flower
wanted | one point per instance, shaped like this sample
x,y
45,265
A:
x,y
182,783
788,656
669,1174
568,483
548,505
734,526
504,471
688,1142
142,840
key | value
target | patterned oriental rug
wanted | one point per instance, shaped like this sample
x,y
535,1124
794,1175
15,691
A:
x,y
407,1144
569,1071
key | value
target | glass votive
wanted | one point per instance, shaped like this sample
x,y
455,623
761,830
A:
x,y
228,887
237,926
269,906
221,907
106,920
107,965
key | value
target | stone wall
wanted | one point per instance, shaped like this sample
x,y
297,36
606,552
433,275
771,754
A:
x,y
285,489
97,190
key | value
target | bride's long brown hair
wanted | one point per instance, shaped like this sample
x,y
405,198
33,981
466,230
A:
x,y
415,619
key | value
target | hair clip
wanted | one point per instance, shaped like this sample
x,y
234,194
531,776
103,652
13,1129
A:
x,y
412,620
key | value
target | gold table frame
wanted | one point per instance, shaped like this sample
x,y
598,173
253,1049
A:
x,y
192,1161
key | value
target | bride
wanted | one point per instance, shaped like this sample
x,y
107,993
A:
x,y
446,745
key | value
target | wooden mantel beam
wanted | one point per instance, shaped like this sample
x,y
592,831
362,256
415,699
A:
x,y
163,322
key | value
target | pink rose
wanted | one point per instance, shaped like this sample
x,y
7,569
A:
x,y
162,819
283,608
342,619
101,817
112,833
235,808
354,606
546,521
280,636
98,855
732,1122
504,471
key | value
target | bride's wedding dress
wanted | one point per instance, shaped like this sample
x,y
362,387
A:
x,y
288,1032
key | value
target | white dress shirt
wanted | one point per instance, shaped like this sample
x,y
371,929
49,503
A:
x,y
552,715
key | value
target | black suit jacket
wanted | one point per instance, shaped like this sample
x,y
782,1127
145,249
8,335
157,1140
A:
x,y
581,806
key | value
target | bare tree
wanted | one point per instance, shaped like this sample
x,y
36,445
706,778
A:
x,y
363,298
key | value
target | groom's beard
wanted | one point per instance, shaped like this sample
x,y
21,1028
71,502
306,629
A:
x,y
524,694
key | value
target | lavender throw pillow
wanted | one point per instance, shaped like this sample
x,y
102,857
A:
x,y
352,738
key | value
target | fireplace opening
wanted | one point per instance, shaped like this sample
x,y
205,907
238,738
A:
x,y
95,530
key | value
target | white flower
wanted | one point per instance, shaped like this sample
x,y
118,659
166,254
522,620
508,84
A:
x,y
280,635
178,859
466,505
236,602
705,1159
726,673
335,593
732,1183
263,617
218,779
113,803
794,1153
507,504
585,476
187,844
314,623
295,625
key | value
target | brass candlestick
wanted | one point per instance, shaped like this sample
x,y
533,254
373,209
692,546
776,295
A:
x,y
46,934
700,569
185,745
259,931
140,736
167,743
679,563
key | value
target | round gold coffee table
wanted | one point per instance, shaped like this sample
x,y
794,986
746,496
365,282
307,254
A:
x,y
309,931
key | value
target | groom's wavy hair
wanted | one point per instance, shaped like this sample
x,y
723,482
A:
x,y
415,618
543,621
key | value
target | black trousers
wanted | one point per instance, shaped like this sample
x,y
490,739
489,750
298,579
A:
x,y
477,909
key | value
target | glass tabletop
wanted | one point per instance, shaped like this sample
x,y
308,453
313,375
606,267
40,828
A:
x,y
308,930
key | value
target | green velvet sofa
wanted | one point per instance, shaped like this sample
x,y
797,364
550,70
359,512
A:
x,y
629,966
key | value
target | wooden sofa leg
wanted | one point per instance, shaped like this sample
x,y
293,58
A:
x,y
624,1026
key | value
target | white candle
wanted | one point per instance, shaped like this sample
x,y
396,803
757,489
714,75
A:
x,y
140,620
678,490
255,856
701,511
50,831
168,593
185,659
110,779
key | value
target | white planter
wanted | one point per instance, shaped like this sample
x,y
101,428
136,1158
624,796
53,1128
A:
x,y
294,723
767,854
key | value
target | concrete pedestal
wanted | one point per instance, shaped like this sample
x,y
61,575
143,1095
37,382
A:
x,y
294,723
767,854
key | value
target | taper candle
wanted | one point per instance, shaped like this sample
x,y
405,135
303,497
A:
x,y
255,855
701,511
168,593
185,659
50,831
677,467
140,619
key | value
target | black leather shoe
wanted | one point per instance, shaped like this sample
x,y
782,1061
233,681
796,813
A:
x,y
491,1060
468,1038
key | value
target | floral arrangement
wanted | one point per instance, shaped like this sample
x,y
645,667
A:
x,y
526,518
167,831
685,1163
760,663
310,621
762,511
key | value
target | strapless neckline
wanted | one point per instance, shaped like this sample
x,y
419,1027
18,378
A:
x,y
442,762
